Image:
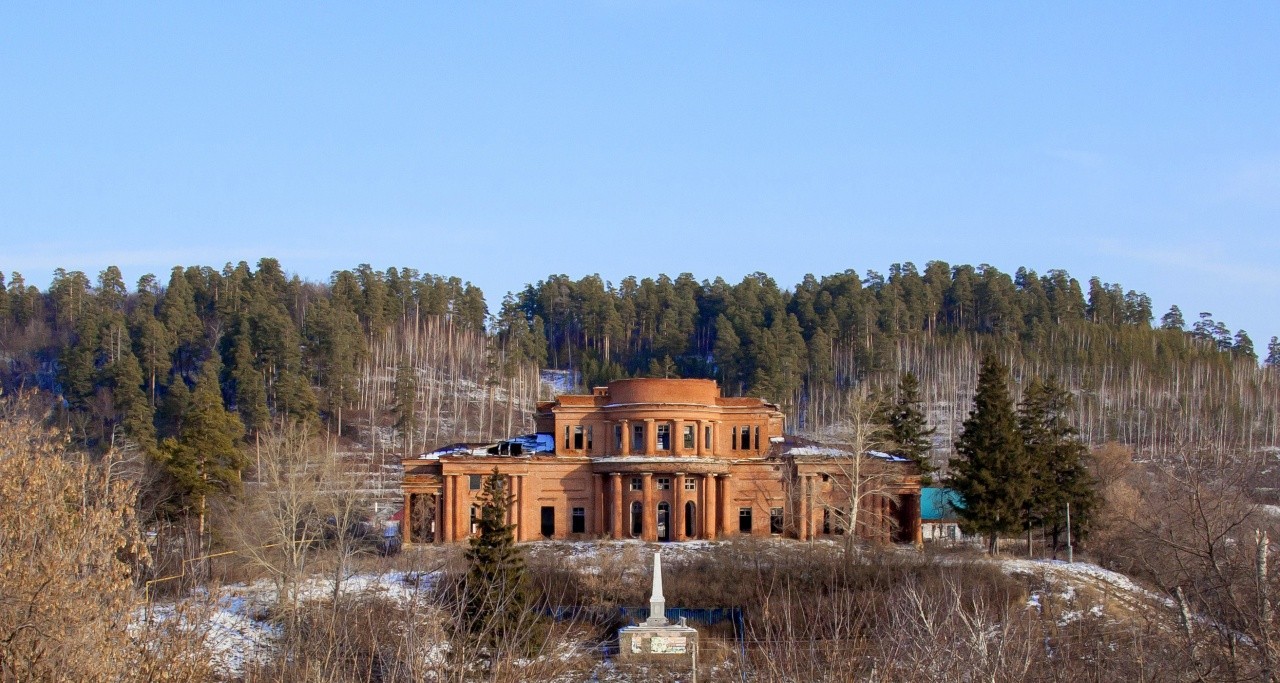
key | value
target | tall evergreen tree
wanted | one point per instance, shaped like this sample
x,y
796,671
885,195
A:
x,y
1243,346
497,596
1059,471
1173,320
123,376
908,428
1273,353
206,457
991,473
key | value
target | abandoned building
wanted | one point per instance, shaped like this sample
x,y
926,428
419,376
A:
x,y
662,460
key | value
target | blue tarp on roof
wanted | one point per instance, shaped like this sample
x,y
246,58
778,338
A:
x,y
939,503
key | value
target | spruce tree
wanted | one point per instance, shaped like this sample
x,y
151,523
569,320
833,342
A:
x,y
206,457
908,428
1057,458
495,588
991,473
1273,353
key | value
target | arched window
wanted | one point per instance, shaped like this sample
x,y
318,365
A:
x,y
637,519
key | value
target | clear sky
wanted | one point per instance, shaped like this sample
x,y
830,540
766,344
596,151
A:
x,y
503,142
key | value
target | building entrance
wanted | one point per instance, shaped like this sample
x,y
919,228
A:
x,y
664,526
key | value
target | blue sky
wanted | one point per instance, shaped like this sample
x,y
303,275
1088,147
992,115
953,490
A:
x,y
499,142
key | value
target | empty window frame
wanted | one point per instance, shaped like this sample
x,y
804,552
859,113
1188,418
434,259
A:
x,y
579,521
664,483
475,481
637,439
637,484
590,436
690,441
579,437
757,431
706,437
745,432
617,438
664,437
775,521
744,520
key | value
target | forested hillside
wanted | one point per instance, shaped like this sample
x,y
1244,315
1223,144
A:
x,y
1163,387
415,359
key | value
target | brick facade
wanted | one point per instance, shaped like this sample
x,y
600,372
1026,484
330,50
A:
x,y
659,460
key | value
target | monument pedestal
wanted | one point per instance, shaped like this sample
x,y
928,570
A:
x,y
657,638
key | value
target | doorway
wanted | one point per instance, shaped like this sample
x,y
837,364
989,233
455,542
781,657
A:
x,y
664,528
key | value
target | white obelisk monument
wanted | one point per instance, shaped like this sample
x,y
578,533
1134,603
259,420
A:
x,y
657,636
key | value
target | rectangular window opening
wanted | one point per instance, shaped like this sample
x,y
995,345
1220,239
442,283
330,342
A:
x,y
590,436
775,521
664,483
577,438
617,439
690,442
706,438
475,481
746,438
664,437
690,484
757,438
744,520
637,484
579,520
637,439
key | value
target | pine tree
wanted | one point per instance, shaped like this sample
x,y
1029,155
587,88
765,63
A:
x,y
1057,459
124,377
991,473
1173,320
908,427
495,588
1243,346
1273,353
250,393
404,401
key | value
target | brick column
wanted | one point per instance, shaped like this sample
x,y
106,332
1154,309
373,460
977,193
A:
x,y
677,513
437,523
699,439
596,527
615,481
522,533
677,437
650,512
802,508
650,438
626,437
725,496
708,508
405,526
445,525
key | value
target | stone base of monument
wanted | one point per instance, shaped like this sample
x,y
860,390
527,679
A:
x,y
646,642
